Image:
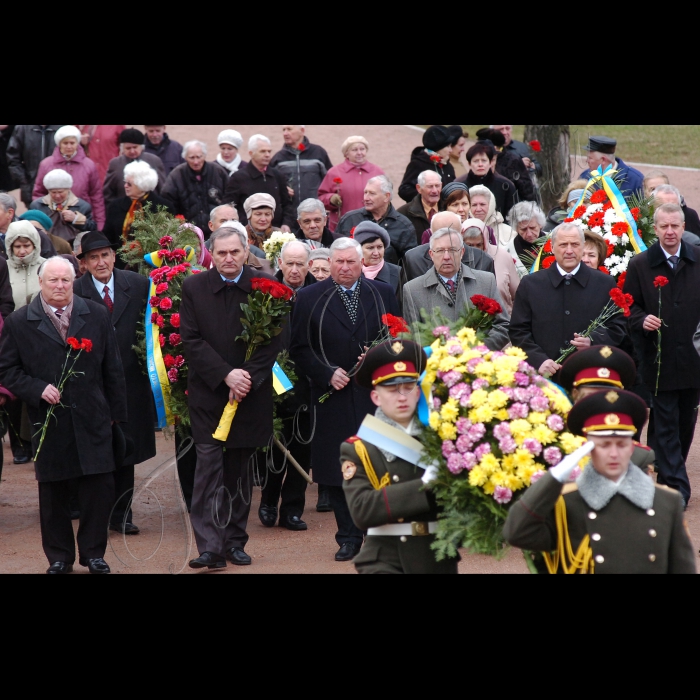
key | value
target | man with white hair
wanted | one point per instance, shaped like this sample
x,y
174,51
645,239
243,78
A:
x,y
195,186
554,306
259,177
302,163
77,450
131,149
313,224
601,153
423,207
379,209
334,322
449,285
158,143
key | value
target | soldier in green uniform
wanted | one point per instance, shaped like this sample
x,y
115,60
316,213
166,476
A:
x,y
614,519
387,492
600,368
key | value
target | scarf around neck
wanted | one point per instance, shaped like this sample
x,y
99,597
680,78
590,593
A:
x,y
371,271
232,167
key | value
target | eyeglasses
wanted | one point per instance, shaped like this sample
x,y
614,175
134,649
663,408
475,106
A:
x,y
442,251
403,389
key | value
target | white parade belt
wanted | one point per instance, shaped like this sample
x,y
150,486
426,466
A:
x,y
415,529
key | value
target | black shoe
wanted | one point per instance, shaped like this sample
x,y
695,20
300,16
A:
x,y
293,522
96,566
323,505
208,561
267,515
21,459
237,556
347,552
59,567
125,528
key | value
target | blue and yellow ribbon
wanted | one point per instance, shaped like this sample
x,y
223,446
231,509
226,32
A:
x,y
280,381
425,401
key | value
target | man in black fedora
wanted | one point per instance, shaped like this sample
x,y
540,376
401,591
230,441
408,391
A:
x,y
125,295
601,152
77,448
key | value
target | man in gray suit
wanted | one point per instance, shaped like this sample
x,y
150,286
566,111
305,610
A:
x,y
449,285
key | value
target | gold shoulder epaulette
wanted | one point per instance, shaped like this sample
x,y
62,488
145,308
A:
x,y
369,469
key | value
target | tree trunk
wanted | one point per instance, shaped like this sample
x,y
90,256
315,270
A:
x,y
554,158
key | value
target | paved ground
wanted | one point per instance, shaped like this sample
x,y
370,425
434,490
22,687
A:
x,y
165,544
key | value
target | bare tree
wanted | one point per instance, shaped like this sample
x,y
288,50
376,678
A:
x,y
554,158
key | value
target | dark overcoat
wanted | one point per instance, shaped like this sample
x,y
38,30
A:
x,y
323,339
130,300
32,355
680,311
548,310
210,322
391,274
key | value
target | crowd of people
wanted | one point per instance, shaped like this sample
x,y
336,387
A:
x,y
464,230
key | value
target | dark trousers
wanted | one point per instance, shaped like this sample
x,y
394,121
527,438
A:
x,y
283,480
348,532
186,466
223,488
123,493
675,414
95,499
20,448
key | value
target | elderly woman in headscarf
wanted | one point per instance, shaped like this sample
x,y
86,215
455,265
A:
x,y
342,190
260,210
69,214
484,207
374,241
569,199
527,220
70,156
140,181
455,198
23,261
50,244
507,278
228,158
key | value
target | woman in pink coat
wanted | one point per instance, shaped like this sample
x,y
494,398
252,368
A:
x,y
342,190
70,156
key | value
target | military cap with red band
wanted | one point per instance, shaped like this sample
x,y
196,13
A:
x,y
605,413
392,362
600,365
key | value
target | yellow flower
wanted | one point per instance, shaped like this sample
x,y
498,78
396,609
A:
x,y
497,399
520,427
489,487
502,414
508,463
537,418
516,352
447,431
505,377
571,443
543,434
525,473
513,482
489,463
448,363
477,476
450,410
484,369
561,403
478,398
523,458
483,414
467,334
434,420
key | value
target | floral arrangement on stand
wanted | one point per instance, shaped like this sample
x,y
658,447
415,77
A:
x,y
495,427
273,246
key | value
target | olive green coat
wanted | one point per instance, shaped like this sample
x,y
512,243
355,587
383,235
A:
x,y
625,538
405,500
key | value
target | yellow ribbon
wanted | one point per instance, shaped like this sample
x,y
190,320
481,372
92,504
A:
x,y
227,417
369,469
581,562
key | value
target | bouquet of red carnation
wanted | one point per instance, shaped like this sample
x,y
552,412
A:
x,y
262,320
437,161
619,304
659,283
392,326
67,372
482,315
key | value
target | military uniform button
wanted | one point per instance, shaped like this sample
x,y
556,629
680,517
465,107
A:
x,y
592,515
400,520
652,558
651,511
599,559
595,537
652,533
395,478
404,539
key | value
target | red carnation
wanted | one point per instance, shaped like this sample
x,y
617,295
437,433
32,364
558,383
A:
x,y
486,305
338,180
174,339
172,375
579,212
621,280
598,197
74,343
166,304
568,219
660,281
179,361
436,158
166,240
596,219
161,340
160,321
154,301
547,247
154,317
535,146
169,361
196,272
181,217
604,269
396,324
86,345
352,232
635,213
301,147
161,288
175,320
547,262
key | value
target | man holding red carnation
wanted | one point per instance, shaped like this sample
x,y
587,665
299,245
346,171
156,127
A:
x,y
677,367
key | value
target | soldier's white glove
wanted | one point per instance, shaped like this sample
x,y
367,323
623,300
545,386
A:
x,y
431,474
563,470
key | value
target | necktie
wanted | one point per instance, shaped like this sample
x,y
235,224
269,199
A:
x,y
59,312
349,292
673,261
568,277
451,286
431,214
108,300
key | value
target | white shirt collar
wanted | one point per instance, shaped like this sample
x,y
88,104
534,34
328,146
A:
x,y
563,273
668,255
100,286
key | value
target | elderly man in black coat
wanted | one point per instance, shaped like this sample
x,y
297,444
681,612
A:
x,y
125,295
77,448
553,307
675,398
334,321
210,322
